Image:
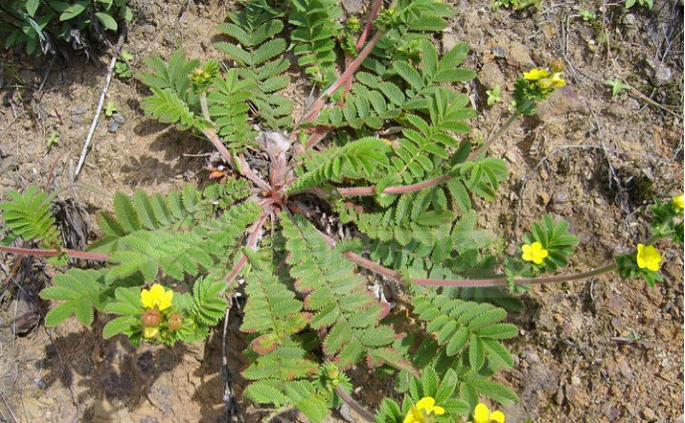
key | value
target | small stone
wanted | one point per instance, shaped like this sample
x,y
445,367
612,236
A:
x,y
560,102
560,197
118,118
353,7
113,126
576,396
499,52
624,368
511,156
120,138
544,198
629,20
533,358
344,411
649,414
76,118
80,111
491,76
519,56
449,40
659,74
633,105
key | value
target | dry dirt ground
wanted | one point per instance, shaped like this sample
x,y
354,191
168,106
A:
x,y
602,350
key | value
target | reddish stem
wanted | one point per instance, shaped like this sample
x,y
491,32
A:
x,y
251,243
351,69
52,253
394,190
369,23
242,166
499,280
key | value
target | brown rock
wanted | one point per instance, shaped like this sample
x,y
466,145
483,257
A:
x,y
519,57
491,76
576,396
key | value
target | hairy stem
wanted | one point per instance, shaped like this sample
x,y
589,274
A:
x,y
204,106
52,253
375,7
394,190
474,155
400,189
251,243
498,280
239,164
351,69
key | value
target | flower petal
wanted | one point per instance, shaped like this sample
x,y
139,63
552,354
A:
x,y
146,299
481,414
150,332
438,410
165,300
426,403
497,416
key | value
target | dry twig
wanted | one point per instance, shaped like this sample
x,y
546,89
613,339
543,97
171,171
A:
x,y
101,102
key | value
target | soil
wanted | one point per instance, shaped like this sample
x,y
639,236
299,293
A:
x,y
601,350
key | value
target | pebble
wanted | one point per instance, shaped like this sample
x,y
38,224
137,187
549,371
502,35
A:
x,y
662,75
624,368
649,414
491,76
353,6
560,197
519,56
113,126
118,118
499,52
629,20
576,396
449,40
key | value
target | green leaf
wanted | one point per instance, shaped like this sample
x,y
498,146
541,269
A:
x,y
32,6
496,391
107,21
409,74
118,325
74,10
497,353
59,314
266,393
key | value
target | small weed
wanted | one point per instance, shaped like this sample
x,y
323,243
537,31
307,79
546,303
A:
x,y
631,3
52,139
121,69
617,85
110,108
515,4
588,15
494,95
38,24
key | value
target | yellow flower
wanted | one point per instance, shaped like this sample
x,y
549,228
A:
x,y
557,80
535,74
416,412
648,257
534,252
150,332
482,414
679,201
157,296
545,83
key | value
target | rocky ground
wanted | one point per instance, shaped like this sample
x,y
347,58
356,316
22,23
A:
x,y
603,350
